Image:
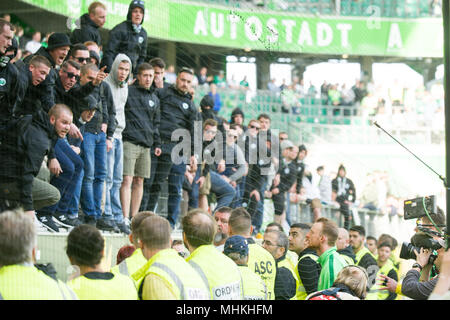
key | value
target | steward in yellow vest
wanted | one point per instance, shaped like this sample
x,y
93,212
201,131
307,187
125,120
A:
x,y
26,282
310,271
168,276
276,243
236,248
20,279
387,268
131,264
219,273
93,283
103,286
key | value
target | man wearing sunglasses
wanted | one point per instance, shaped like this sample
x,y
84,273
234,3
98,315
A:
x,y
79,53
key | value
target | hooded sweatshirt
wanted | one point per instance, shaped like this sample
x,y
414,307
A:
x,y
88,31
119,93
127,38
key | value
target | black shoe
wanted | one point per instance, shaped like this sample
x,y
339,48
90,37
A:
x,y
65,221
90,220
106,225
48,223
124,228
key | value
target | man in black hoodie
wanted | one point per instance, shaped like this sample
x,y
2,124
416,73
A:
x,y
56,52
22,153
128,37
159,83
89,24
142,116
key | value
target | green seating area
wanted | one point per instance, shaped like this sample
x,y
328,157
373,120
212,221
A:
x,y
310,111
364,8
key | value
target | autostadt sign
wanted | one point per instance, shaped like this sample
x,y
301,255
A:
x,y
272,30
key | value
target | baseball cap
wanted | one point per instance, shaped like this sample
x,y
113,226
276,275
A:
x,y
236,244
286,144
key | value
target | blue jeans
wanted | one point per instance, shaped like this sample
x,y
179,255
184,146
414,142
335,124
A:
x,y
258,219
194,193
175,188
94,156
72,167
224,191
114,177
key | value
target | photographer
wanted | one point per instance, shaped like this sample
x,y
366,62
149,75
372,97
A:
x,y
420,281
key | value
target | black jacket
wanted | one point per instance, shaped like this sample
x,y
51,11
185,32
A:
x,y
309,271
11,93
88,31
123,39
73,97
35,96
142,116
300,173
49,83
177,112
348,251
285,284
106,111
23,151
350,191
288,175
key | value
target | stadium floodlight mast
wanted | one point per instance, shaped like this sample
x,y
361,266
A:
x,y
446,25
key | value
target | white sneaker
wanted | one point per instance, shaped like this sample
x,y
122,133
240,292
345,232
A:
x,y
40,228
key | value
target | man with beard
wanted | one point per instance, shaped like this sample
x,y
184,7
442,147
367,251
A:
x,y
221,216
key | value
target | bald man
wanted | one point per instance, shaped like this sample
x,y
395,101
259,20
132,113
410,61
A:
x,y
344,248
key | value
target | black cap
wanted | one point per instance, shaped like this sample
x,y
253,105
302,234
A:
x,y
302,148
207,100
88,103
237,111
57,40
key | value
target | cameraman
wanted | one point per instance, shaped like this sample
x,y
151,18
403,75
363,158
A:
x,y
420,281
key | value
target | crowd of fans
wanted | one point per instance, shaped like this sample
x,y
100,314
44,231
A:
x,y
88,140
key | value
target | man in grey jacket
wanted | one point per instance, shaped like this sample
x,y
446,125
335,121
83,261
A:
x,y
118,81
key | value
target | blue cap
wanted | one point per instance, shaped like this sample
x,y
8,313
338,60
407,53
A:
x,y
236,244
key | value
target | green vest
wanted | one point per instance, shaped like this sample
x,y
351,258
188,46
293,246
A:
x,y
301,291
120,287
180,276
131,264
375,293
22,282
331,263
263,264
288,265
219,273
254,286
